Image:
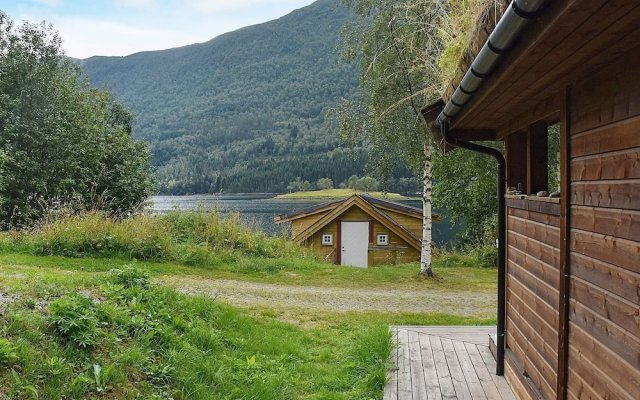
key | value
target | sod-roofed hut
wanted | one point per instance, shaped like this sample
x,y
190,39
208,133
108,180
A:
x,y
569,310
360,230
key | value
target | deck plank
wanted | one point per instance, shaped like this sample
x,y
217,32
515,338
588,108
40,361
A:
x,y
391,387
457,375
501,383
429,365
444,376
436,363
473,382
418,386
404,368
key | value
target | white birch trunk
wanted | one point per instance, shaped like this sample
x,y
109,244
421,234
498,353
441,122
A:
x,y
425,253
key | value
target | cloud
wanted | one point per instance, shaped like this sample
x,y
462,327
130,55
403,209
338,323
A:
x,y
50,3
88,37
135,3
212,6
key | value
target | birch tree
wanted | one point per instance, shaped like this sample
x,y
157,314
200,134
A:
x,y
397,46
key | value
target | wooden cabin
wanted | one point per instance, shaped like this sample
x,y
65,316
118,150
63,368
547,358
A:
x,y
572,263
360,231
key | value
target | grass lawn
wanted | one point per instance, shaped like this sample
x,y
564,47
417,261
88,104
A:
x,y
149,341
201,307
454,272
338,193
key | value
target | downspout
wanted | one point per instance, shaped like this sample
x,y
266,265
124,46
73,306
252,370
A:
x,y
514,20
502,210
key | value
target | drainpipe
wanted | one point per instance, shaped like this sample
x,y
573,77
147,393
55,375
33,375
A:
x,y
502,210
514,20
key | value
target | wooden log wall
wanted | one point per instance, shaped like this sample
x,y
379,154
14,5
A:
x,y
604,246
533,279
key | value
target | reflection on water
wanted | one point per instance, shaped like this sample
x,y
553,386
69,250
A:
x,y
259,210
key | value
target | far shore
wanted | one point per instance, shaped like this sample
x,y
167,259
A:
x,y
340,193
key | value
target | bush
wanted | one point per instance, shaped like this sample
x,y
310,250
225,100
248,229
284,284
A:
x,y
487,256
8,353
196,238
74,319
129,276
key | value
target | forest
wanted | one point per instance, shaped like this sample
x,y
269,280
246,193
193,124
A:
x,y
244,112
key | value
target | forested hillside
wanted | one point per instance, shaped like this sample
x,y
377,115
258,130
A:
x,y
243,112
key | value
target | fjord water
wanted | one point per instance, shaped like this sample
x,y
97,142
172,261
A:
x,y
259,210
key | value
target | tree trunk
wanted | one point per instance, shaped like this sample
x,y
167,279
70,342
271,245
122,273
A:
x,y
425,253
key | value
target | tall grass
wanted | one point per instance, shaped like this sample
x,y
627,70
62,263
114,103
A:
x,y
194,238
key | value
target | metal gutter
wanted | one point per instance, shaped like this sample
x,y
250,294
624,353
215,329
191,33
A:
x,y
515,19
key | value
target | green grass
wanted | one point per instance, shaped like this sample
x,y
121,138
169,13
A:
x,y
152,342
453,272
72,328
339,193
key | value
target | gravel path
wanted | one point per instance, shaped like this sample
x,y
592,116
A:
x,y
249,294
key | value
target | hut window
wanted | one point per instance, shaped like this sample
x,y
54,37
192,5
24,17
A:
x,y
327,239
383,239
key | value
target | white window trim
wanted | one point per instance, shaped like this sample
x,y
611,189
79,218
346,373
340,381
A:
x,y
385,241
327,235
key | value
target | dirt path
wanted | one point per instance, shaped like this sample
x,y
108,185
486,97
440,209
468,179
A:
x,y
249,294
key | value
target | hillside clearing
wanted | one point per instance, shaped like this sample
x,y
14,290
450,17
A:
x,y
339,193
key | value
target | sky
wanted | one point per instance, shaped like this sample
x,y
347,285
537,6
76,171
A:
x,y
122,27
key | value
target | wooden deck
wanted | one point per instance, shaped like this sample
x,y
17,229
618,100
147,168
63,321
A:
x,y
444,363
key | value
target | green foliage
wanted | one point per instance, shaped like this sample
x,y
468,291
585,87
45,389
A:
x,y
243,112
324,184
553,149
196,238
74,318
298,185
368,360
129,276
63,142
155,343
395,44
8,353
468,191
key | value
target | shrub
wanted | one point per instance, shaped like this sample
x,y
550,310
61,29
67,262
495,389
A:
x,y
74,319
196,238
129,276
8,353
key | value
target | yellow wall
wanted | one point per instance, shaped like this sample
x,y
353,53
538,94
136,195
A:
x,y
377,254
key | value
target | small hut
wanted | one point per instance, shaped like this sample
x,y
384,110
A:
x,y
360,231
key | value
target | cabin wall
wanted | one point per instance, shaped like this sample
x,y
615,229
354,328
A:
x,y
397,252
533,279
604,242
601,255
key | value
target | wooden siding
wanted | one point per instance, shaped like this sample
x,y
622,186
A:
x,y
604,242
398,251
413,224
300,224
533,278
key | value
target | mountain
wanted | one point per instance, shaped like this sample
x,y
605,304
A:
x,y
243,112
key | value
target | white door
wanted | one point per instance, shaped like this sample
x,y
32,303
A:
x,y
355,243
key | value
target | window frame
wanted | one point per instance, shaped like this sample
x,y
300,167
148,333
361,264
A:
x,y
386,239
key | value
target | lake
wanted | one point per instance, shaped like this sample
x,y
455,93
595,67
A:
x,y
259,210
